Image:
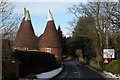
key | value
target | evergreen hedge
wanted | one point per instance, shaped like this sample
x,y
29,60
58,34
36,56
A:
x,y
35,62
113,67
9,76
34,57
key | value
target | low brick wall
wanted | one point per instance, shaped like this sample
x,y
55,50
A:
x,y
34,69
10,65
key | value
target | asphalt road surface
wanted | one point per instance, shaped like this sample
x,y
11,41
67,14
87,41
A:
x,y
73,70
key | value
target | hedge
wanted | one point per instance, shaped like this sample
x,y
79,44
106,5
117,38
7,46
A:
x,y
9,76
34,57
35,62
113,67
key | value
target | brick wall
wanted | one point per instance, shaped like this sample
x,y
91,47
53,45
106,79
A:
x,y
10,65
6,48
56,51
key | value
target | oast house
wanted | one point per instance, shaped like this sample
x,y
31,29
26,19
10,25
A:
x,y
47,42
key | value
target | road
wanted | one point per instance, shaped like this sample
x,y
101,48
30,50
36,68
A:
x,y
73,70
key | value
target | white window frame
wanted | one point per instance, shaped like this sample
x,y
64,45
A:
x,y
25,48
48,49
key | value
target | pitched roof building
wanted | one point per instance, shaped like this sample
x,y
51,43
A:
x,y
25,38
48,42
50,37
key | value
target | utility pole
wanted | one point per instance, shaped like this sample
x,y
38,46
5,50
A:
x,y
106,26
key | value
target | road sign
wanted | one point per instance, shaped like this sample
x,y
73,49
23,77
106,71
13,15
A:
x,y
106,61
108,53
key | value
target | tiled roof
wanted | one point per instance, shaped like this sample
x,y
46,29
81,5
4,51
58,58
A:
x,y
50,37
25,37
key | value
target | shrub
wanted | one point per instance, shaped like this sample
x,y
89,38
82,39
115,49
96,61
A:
x,y
31,76
113,67
34,57
81,60
35,62
9,76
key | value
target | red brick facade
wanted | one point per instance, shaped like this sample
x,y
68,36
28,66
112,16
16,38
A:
x,y
10,65
56,51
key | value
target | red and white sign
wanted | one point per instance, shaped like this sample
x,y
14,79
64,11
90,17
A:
x,y
108,53
106,61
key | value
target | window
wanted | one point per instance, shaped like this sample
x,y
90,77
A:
x,y
25,48
48,50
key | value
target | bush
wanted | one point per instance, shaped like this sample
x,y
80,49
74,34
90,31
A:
x,y
34,57
31,76
9,76
113,67
81,60
35,62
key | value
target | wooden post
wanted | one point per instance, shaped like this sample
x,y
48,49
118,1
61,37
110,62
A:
x,y
106,27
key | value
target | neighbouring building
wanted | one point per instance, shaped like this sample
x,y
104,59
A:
x,y
25,38
47,42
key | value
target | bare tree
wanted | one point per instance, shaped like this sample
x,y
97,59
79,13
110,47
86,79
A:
x,y
8,20
98,11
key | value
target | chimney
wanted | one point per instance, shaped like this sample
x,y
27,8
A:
x,y
27,17
50,18
24,12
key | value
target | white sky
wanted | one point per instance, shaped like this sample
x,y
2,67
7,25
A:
x,y
64,0
38,12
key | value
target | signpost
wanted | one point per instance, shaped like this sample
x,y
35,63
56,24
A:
x,y
106,61
108,53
